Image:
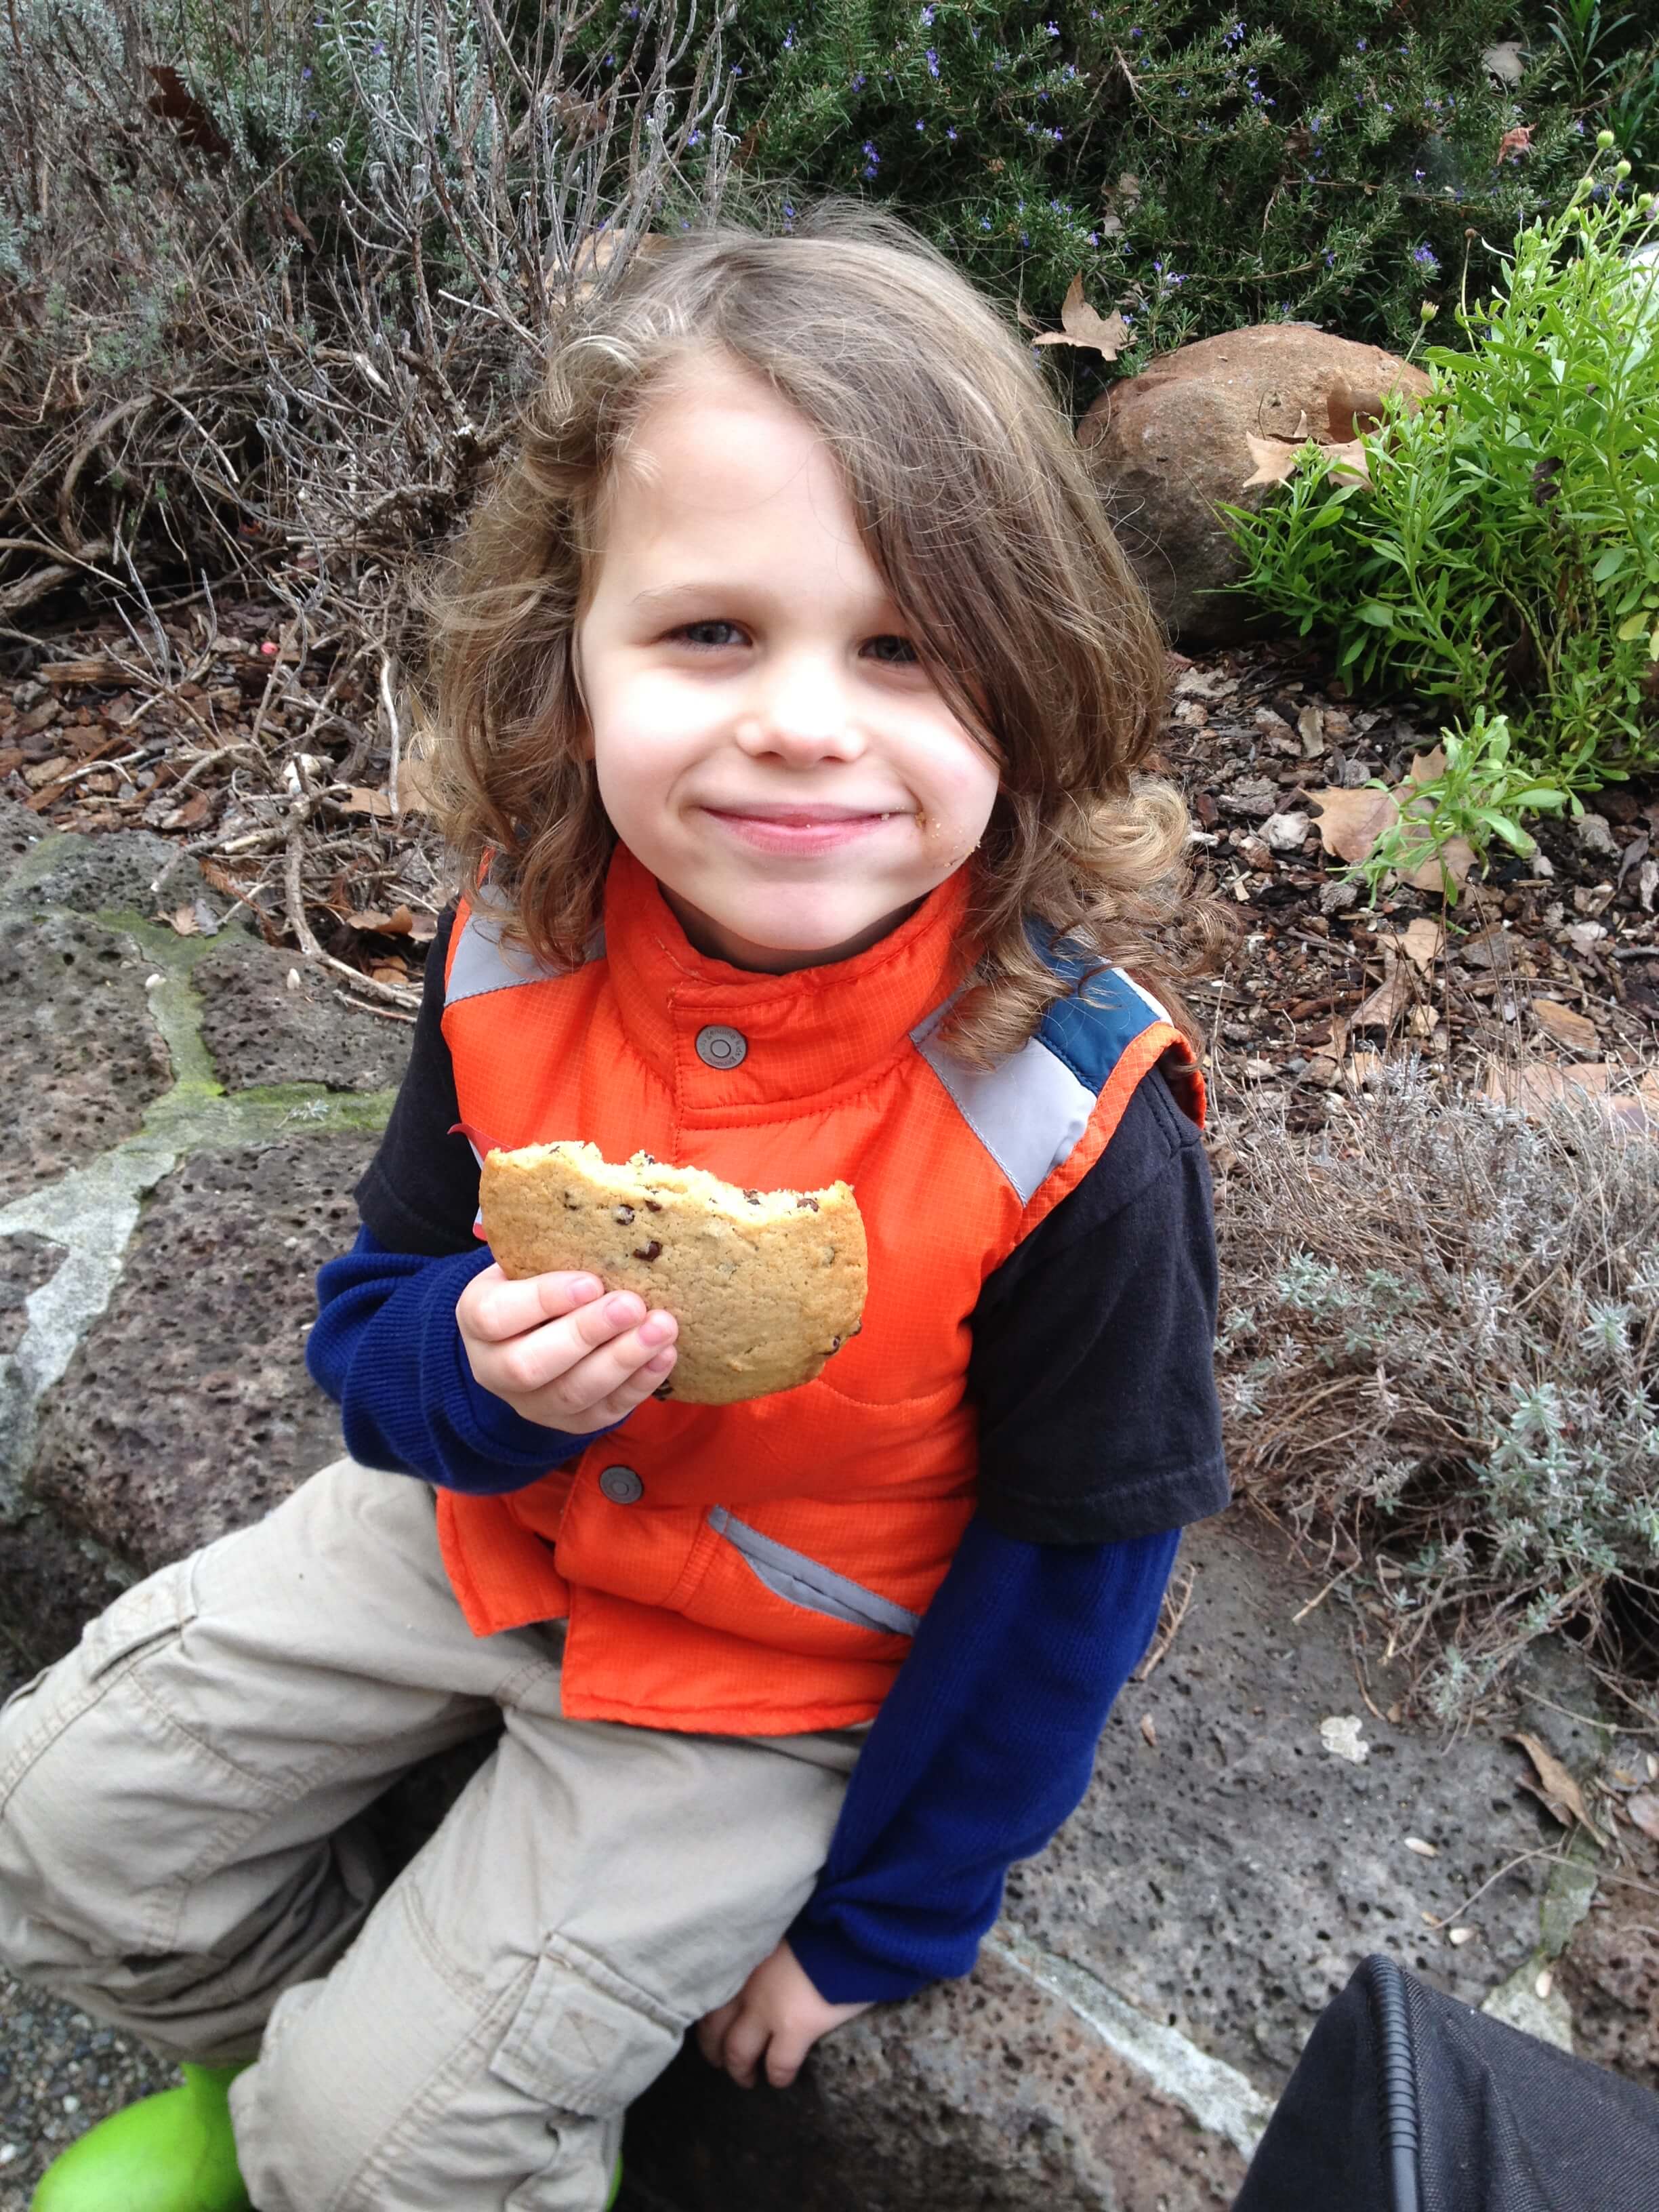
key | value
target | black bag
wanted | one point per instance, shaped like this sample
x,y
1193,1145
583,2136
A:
x,y
1405,2101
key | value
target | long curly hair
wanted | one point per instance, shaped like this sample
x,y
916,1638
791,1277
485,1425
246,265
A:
x,y
979,509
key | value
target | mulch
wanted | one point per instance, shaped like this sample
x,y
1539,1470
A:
x,y
268,754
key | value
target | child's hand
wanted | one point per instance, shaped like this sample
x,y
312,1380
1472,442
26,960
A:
x,y
776,2014
560,1351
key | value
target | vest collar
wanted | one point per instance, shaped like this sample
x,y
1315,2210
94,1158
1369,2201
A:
x,y
803,1035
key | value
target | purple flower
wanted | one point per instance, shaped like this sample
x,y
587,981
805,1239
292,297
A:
x,y
858,81
1053,29
789,38
305,76
933,63
1424,256
1359,45
920,125
1094,238
694,138
985,222
927,17
950,132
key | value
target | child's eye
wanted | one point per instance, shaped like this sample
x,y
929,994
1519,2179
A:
x,y
688,633
699,636
904,645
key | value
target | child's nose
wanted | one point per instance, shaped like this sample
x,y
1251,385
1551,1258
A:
x,y
800,711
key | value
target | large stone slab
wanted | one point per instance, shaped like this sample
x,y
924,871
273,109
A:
x,y
187,1410
80,1057
1228,1879
261,1027
1157,1970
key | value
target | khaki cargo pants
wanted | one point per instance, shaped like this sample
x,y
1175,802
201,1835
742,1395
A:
x,y
182,1853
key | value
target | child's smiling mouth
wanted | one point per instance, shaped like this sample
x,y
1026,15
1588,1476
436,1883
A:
x,y
802,830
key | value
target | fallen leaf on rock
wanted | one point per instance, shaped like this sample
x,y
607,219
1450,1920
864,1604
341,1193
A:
x,y
1566,1027
1149,1730
400,922
1081,326
183,921
1424,1850
1643,1809
1339,1734
1555,1787
1460,1935
1275,459
359,800
1544,1985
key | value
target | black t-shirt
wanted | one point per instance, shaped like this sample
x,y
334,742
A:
x,y
1092,1368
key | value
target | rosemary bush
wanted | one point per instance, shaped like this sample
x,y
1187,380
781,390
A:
x,y
1439,1345
1317,159
1504,559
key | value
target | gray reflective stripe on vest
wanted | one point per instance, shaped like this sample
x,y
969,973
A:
x,y
484,963
806,1582
1028,1111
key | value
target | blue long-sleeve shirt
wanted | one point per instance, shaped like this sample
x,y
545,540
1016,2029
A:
x,y
982,1747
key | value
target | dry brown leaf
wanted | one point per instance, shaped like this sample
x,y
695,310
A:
x,y
1534,1085
1425,767
1351,821
1566,1027
1555,1787
183,921
1149,1730
1454,860
1350,460
1643,1809
1275,459
1386,1003
1080,325
360,800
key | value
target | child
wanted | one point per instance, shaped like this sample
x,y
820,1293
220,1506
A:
x,y
792,691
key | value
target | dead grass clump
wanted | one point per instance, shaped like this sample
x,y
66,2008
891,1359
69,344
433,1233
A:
x,y
1438,1348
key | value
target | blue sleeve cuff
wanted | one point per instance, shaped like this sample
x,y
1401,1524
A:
x,y
385,1345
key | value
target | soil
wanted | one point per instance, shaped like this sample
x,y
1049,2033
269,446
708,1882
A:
x,y
1548,963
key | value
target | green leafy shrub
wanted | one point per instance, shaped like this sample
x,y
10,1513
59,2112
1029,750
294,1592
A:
x,y
1504,558
1482,792
1317,159
1438,1351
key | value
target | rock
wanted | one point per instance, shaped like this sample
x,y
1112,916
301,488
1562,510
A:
x,y
110,873
258,1030
1610,1973
187,1410
80,1057
1171,443
1254,795
1285,832
19,830
25,1262
1595,836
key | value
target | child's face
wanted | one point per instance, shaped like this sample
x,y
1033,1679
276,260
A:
x,y
765,739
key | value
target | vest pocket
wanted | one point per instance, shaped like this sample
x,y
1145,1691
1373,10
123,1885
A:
x,y
806,1581
585,2040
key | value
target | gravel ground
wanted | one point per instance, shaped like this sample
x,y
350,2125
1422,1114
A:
x,y
59,2072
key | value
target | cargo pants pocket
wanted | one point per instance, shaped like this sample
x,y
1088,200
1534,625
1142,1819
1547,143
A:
x,y
145,1615
585,2039
584,2043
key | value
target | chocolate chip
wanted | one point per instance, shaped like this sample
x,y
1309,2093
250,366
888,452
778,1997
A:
x,y
835,1344
805,1198
622,1213
648,1251
753,1196
664,1390
652,1207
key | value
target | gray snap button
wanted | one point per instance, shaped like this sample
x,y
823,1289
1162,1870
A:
x,y
720,1046
622,1485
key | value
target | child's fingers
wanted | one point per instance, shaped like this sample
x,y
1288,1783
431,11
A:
x,y
711,2032
492,1308
745,2039
785,2055
616,1375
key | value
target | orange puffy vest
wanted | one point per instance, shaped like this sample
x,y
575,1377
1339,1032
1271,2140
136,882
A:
x,y
758,1569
